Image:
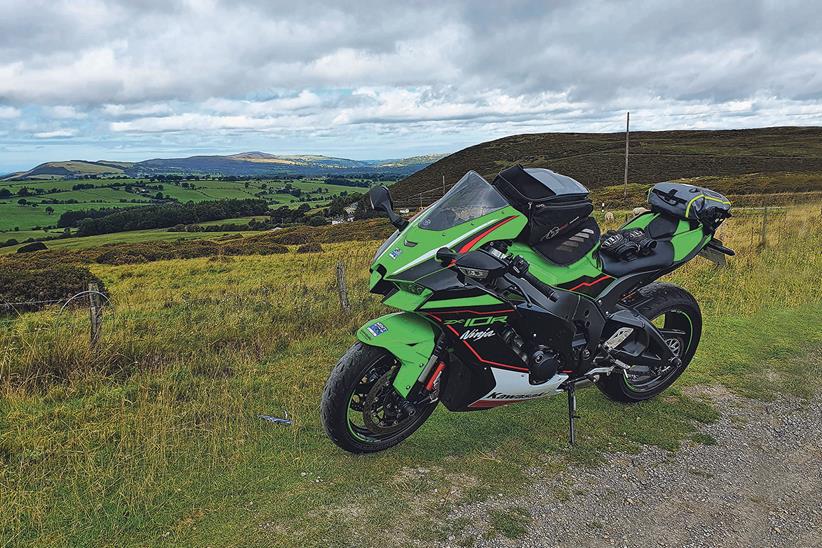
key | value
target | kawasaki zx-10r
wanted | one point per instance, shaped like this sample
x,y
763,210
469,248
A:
x,y
506,293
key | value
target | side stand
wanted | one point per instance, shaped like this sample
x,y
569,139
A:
x,y
572,413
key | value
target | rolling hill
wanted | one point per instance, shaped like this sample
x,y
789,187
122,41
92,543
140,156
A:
x,y
71,168
597,159
242,164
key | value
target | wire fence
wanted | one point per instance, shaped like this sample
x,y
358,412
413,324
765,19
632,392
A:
x,y
98,303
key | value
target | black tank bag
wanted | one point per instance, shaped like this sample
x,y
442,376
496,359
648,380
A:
x,y
555,204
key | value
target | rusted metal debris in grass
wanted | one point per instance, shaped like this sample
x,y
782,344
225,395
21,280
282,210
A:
x,y
277,420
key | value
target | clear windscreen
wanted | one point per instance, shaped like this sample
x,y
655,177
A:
x,y
470,198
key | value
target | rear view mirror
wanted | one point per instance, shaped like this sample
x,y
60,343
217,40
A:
x,y
380,199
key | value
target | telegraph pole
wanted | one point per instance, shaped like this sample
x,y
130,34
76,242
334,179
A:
x,y
627,136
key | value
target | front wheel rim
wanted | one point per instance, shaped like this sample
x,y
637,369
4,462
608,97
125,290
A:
x,y
374,396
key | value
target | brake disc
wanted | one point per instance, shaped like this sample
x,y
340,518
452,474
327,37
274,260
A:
x,y
380,413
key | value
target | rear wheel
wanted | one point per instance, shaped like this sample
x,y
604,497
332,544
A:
x,y
676,314
361,411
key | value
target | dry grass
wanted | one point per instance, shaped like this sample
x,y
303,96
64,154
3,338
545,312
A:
x,y
153,437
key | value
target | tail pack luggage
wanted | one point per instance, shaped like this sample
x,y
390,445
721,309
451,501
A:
x,y
690,202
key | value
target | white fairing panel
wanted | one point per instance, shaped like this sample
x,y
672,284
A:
x,y
513,386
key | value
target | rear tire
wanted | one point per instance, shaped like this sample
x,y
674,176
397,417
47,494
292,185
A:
x,y
360,379
681,313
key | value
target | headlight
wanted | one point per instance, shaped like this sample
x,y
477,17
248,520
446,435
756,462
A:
x,y
475,273
411,287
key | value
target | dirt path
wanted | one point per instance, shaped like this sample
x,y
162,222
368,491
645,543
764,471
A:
x,y
759,485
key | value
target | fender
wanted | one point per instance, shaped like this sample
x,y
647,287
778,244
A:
x,y
409,337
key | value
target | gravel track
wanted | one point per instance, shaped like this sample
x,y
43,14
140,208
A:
x,y
760,485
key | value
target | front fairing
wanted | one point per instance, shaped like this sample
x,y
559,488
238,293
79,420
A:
x,y
407,270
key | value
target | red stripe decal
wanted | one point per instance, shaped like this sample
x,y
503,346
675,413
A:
x,y
473,242
477,312
589,284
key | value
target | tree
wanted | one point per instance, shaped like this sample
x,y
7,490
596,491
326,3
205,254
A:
x,y
49,210
5,193
22,201
23,192
317,220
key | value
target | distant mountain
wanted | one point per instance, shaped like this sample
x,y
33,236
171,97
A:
x,y
598,159
242,164
412,161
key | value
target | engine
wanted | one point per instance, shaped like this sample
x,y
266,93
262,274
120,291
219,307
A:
x,y
543,361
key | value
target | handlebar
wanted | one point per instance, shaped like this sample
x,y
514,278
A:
x,y
543,288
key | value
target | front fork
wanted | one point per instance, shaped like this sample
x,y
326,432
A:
x,y
427,385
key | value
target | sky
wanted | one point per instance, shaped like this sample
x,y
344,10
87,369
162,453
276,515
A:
x,y
117,80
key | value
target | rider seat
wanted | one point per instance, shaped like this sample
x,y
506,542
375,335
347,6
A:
x,y
661,229
662,257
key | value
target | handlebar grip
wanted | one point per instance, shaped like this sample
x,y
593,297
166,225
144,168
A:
x,y
544,288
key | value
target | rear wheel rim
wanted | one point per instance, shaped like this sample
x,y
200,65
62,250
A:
x,y
677,340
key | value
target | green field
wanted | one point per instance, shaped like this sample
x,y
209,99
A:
x,y
26,217
133,236
154,437
315,193
233,220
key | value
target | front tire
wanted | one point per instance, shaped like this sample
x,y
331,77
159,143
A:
x,y
679,314
359,408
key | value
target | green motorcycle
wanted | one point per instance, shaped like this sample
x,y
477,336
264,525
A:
x,y
507,292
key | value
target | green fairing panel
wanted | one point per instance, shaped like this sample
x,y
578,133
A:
x,y
399,256
409,337
407,300
554,274
686,240
467,302
640,221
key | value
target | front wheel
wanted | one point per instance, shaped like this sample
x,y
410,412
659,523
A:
x,y
361,410
676,314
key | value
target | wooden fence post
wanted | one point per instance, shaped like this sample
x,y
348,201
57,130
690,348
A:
x,y
342,289
95,313
763,235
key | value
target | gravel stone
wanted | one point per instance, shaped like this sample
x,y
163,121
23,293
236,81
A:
x,y
760,485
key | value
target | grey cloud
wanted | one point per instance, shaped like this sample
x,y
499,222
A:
x,y
171,72
153,51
